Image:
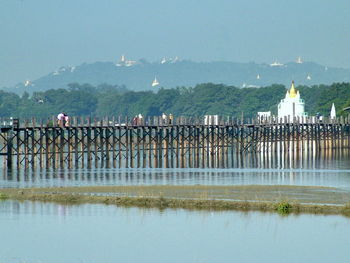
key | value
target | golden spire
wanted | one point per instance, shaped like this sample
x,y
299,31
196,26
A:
x,y
292,91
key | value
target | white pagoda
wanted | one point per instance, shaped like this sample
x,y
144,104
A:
x,y
155,82
333,114
292,105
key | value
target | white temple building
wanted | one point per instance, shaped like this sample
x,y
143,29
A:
x,y
126,63
292,105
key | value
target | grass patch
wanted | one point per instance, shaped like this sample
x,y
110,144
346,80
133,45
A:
x,y
3,196
283,208
301,199
346,209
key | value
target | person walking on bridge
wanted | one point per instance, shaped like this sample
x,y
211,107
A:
x,y
63,120
60,120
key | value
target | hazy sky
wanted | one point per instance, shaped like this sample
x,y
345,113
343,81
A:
x,y
38,36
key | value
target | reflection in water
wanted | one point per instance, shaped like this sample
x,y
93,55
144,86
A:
x,y
224,157
14,208
100,233
328,169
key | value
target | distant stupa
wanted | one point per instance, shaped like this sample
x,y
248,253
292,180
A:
x,y
27,83
333,114
155,82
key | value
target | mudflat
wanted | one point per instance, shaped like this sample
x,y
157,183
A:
x,y
281,198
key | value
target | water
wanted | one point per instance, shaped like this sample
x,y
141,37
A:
x,y
87,177
321,170
38,232
41,232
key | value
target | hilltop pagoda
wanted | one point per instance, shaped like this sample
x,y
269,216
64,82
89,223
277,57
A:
x,y
292,105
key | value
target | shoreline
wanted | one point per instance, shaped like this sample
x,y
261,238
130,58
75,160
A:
x,y
282,199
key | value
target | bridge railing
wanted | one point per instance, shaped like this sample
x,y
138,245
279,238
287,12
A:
x,y
8,122
167,120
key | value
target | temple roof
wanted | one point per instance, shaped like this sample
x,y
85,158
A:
x,y
292,91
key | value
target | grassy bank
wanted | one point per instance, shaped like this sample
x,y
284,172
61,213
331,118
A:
x,y
282,199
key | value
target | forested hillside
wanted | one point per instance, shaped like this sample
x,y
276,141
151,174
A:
x,y
171,74
105,100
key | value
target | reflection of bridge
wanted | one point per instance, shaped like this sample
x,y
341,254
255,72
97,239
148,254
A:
x,y
159,143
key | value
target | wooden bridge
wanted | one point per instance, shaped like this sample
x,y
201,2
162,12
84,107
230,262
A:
x,y
155,142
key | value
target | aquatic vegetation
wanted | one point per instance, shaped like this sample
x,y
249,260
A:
x,y
320,200
346,209
3,196
283,207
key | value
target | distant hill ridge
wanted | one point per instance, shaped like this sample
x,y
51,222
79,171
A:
x,y
138,75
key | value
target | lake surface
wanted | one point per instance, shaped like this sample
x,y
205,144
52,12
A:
x,y
34,232
39,232
327,169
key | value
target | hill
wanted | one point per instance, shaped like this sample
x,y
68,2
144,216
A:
x,y
138,75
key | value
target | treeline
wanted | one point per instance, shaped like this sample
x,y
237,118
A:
x,y
106,100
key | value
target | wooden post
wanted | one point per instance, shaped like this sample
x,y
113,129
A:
x,y
208,145
198,148
120,150
107,142
138,142
54,147
9,142
172,145
103,142
155,149
26,146
160,145
95,139
177,131
62,144
127,146
19,147
131,145
76,146
40,140
144,147
212,147
222,147
166,147
114,144
150,143
91,129
69,147
189,145
48,132
182,146
202,146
